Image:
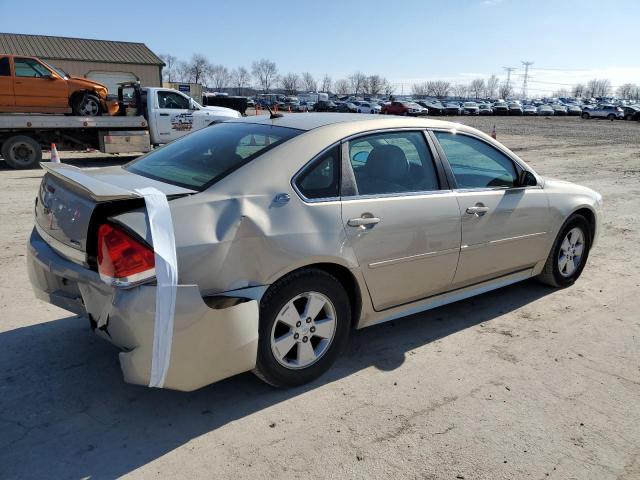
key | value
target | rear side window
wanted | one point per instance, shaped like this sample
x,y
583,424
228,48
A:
x,y
202,158
5,71
476,164
392,162
322,178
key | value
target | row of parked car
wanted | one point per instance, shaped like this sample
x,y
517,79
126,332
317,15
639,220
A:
x,y
425,107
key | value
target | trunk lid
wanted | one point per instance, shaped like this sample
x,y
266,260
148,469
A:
x,y
71,201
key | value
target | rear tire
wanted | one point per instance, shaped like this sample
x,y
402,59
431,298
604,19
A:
x,y
611,117
294,349
571,245
585,115
21,152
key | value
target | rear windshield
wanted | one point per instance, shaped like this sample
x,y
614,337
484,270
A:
x,y
202,158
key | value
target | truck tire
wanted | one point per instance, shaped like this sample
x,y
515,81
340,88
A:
x,y
86,105
21,152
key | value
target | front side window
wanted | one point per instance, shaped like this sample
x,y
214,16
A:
x,y
27,67
476,164
172,100
393,162
5,70
322,178
202,158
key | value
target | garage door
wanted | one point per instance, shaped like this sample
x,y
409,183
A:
x,y
111,79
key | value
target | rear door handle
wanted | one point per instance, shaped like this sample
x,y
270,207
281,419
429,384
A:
x,y
164,114
477,210
363,221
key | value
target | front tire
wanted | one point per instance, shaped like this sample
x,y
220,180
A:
x,y
585,115
86,105
305,320
569,253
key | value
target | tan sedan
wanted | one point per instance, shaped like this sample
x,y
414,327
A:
x,y
292,230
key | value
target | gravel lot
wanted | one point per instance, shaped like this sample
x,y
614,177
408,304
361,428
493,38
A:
x,y
524,382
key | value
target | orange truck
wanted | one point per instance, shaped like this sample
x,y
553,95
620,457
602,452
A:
x,y
30,85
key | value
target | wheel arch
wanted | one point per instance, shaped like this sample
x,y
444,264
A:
x,y
346,278
590,216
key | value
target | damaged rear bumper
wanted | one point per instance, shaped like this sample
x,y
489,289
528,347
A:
x,y
208,345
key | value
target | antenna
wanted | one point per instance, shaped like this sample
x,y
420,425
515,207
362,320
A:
x,y
526,78
273,115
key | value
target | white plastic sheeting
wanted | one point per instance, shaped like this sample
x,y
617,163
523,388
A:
x,y
164,246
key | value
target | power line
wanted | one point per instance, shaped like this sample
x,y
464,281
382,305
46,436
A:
x,y
508,70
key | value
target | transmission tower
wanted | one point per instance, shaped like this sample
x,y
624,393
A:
x,y
508,70
526,78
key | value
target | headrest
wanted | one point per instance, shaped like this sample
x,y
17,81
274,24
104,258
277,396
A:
x,y
387,162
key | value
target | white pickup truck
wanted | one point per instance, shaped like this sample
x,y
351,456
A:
x,y
150,116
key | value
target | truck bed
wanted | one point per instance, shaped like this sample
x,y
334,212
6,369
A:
x,y
18,121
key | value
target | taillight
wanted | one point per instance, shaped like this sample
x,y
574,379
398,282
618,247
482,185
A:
x,y
122,260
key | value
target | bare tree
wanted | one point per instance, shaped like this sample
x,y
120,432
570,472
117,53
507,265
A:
x,y
460,90
240,78
357,82
420,90
477,87
388,88
169,69
219,76
563,92
182,72
492,87
265,72
290,83
438,88
375,85
342,86
326,83
199,68
505,90
309,83
627,91
578,90
598,87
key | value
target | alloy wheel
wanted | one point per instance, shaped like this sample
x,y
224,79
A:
x,y
571,251
303,330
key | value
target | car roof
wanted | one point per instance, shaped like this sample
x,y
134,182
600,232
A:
x,y
311,121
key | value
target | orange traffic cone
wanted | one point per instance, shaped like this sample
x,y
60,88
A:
x,y
55,158
289,108
493,132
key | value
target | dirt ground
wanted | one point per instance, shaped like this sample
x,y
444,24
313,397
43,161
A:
x,y
524,382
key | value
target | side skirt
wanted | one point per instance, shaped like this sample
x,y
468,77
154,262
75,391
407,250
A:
x,y
446,298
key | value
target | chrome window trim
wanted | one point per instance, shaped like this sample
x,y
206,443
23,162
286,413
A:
x,y
305,166
425,193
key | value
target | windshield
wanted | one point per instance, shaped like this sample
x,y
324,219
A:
x,y
59,71
208,155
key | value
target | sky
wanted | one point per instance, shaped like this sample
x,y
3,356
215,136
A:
x,y
407,41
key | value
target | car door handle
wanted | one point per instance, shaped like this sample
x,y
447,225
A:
x,y
363,221
477,210
164,114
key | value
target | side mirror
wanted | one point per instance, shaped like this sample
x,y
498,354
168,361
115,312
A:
x,y
527,179
361,157
47,76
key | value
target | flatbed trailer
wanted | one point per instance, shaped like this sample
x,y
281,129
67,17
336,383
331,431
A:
x,y
24,136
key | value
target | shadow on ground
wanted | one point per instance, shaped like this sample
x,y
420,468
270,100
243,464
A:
x,y
65,411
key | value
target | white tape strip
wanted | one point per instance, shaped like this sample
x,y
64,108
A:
x,y
164,245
